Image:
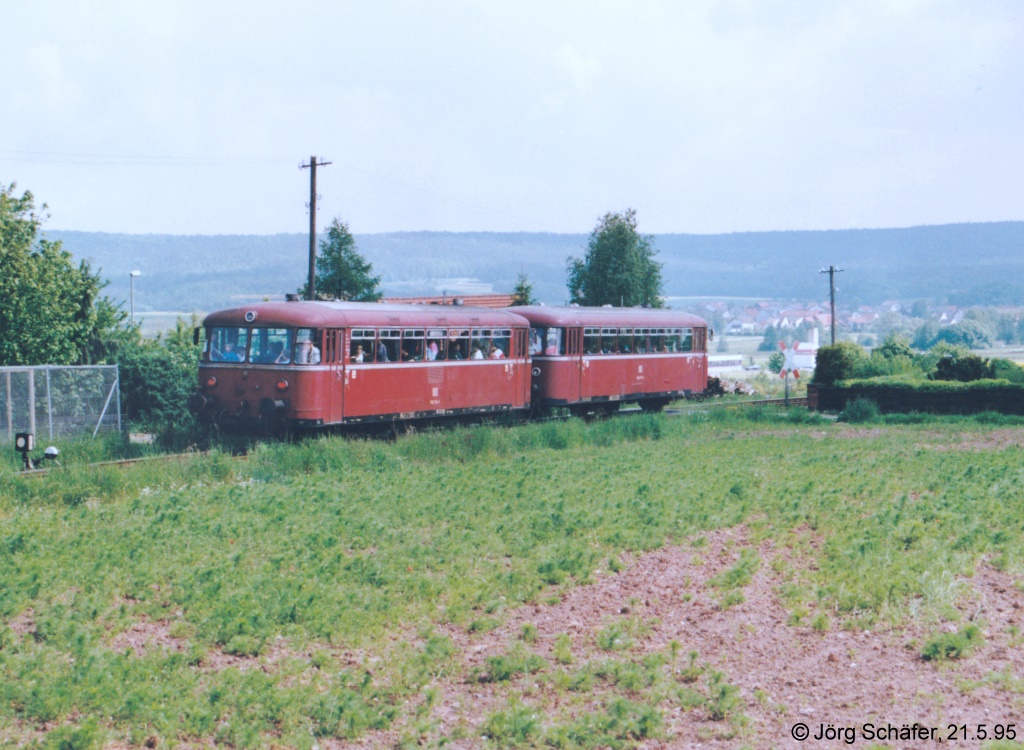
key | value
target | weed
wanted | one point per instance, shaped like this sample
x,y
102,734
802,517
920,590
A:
x,y
562,650
860,411
614,638
514,726
723,698
952,645
515,662
740,574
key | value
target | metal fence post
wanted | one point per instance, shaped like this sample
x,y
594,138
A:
x,y
49,402
32,401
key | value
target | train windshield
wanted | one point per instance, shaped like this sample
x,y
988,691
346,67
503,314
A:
x,y
271,346
226,344
551,339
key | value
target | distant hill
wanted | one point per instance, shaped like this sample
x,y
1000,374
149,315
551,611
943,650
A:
x,y
957,263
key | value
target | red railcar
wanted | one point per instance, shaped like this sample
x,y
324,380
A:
x,y
302,365
594,358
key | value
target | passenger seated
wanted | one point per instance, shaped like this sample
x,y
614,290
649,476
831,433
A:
x,y
477,354
277,354
432,351
306,353
359,356
496,353
231,354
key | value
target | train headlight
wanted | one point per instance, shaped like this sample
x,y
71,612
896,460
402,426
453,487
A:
x,y
536,372
211,381
282,385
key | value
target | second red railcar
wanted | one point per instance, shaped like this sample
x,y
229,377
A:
x,y
594,358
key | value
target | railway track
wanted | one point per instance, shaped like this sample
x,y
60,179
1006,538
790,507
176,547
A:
x,y
169,457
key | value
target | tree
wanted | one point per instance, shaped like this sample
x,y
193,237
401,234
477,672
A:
x,y
523,292
341,272
619,266
50,309
836,362
895,345
770,342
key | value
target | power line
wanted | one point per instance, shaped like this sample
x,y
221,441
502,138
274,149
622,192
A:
x,y
59,157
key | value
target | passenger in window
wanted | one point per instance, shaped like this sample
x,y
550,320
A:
x,y
477,354
552,344
411,351
230,353
432,351
277,353
306,353
535,343
496,353
359,356
382,352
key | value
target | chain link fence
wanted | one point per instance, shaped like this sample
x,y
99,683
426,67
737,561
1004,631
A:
x,y
59,402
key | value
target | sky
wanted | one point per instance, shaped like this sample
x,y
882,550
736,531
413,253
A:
x,y
706,116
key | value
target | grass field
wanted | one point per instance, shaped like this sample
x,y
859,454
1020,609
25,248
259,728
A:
x,y
424,592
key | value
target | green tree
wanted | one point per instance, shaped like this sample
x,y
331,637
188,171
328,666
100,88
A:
x,y
895,345
341,272
836,362
50,309
972,333
523,292
619,266
776,362
770,341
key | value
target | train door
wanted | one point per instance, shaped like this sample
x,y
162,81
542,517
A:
x,y
574,349
521,365
335,348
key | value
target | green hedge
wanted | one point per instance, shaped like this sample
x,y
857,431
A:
x,y
900,395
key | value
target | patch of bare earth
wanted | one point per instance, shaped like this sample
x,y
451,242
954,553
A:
x,y
786,674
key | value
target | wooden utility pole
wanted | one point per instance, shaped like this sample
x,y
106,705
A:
x,y
832,271
313,164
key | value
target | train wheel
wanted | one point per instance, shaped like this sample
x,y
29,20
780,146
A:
x,y
653,405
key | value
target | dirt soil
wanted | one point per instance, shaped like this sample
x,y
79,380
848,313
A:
x,y
786,673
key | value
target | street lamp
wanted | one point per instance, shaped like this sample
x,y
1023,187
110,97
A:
x,y
131,277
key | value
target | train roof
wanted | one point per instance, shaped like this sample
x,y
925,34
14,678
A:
x,y
608,316
371,314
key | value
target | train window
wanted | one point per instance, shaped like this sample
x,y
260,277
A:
x,y
501,340
609,338
437,339
536,341
687,345
641,340
389,345
271,346
412,345
362,345
458,344
554,341
658,340
591,340
625,341
480,343
226,344
307,349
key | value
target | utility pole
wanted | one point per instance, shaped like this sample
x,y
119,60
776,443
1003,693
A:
x,y
313,164
832,271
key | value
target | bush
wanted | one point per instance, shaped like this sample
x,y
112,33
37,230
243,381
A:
x,y
965,368
859,411
156,382
952,645
836,362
